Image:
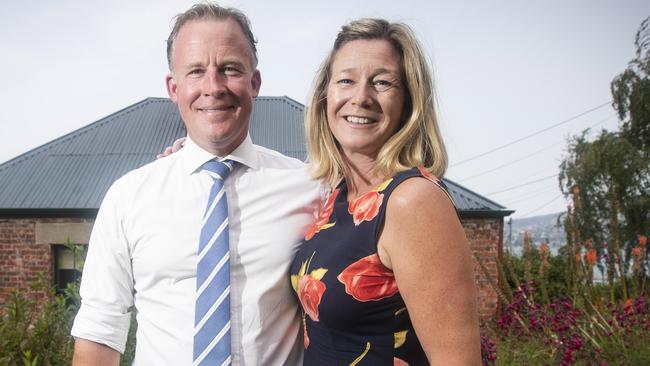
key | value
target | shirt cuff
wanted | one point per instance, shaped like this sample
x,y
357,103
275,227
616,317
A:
x,y
97,325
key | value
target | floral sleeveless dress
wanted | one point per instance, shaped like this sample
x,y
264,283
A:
x,y
353,313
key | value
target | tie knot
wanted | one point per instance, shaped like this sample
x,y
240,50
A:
x,y
219,169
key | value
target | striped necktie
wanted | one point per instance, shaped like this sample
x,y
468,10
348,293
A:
x,y
212,308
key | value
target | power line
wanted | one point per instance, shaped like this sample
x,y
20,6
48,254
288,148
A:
x,y
540,207
528,195
530,135
509,163
531,154
523,184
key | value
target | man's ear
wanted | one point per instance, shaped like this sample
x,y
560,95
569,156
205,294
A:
x,y
256,82
171,87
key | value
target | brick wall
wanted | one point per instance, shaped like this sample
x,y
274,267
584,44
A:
x,y
485,237
25,251
20,258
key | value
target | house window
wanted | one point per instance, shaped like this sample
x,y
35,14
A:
x,y
68,261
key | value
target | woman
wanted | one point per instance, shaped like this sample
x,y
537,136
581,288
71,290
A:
x,y
384,276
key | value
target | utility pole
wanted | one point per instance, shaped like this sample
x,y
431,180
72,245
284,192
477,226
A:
x,y
510,235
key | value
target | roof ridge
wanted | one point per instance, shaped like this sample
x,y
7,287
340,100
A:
x,y
57,141
284,98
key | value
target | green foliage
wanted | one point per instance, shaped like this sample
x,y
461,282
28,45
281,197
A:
x,y
531,352
607,169
37,333
554,281
563,329
33,333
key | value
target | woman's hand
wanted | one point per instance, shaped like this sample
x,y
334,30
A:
x,y
177,145
424,244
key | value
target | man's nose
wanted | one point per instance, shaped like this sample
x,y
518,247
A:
x,y
214,83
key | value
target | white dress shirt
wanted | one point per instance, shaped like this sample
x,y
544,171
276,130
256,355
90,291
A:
x,y
143,251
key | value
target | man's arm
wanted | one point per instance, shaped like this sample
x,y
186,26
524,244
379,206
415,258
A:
x,y
89,353
106,285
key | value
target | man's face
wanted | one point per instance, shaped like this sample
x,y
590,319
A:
x,y
213,82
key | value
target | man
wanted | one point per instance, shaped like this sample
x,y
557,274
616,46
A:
x,y
143,249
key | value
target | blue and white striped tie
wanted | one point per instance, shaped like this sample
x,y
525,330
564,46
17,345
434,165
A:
x,y
212,308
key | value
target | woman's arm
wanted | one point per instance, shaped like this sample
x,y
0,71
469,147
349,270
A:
x,y
424,244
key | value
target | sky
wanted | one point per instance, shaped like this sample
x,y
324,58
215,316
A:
x,y
504,70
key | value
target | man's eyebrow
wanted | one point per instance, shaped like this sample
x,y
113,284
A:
x,y
193,65
233,62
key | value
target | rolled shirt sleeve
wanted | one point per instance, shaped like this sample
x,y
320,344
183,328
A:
x,y
107,280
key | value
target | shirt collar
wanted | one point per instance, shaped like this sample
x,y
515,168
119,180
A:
x,y
194,156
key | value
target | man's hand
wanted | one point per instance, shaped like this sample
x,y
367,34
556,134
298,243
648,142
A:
x,y
177,145
89,353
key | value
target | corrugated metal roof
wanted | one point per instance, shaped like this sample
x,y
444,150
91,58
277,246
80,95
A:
x,y
277,123
74,171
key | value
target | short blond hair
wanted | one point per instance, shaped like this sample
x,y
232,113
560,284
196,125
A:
x,y
210,11
418,141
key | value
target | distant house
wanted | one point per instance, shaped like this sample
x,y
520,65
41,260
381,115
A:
x,y
50,195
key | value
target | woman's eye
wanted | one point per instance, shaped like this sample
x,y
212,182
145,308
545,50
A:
x,y
345,82
381,85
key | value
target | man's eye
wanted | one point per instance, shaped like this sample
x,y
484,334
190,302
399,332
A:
x,y
231,70
195,72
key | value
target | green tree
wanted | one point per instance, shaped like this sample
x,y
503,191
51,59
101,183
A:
x,y
631,93
608,179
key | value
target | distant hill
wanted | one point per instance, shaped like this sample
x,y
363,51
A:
x,y
541,229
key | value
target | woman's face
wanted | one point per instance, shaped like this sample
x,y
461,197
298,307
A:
x,y
365,96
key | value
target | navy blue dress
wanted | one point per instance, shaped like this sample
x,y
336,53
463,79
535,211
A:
x,y
353,313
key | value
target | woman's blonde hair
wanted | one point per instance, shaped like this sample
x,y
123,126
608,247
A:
x,y
418,140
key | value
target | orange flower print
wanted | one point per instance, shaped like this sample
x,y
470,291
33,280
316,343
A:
x,y
368,279
309,288
366,207
322,222
435,180
310,292
398,362
428,175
